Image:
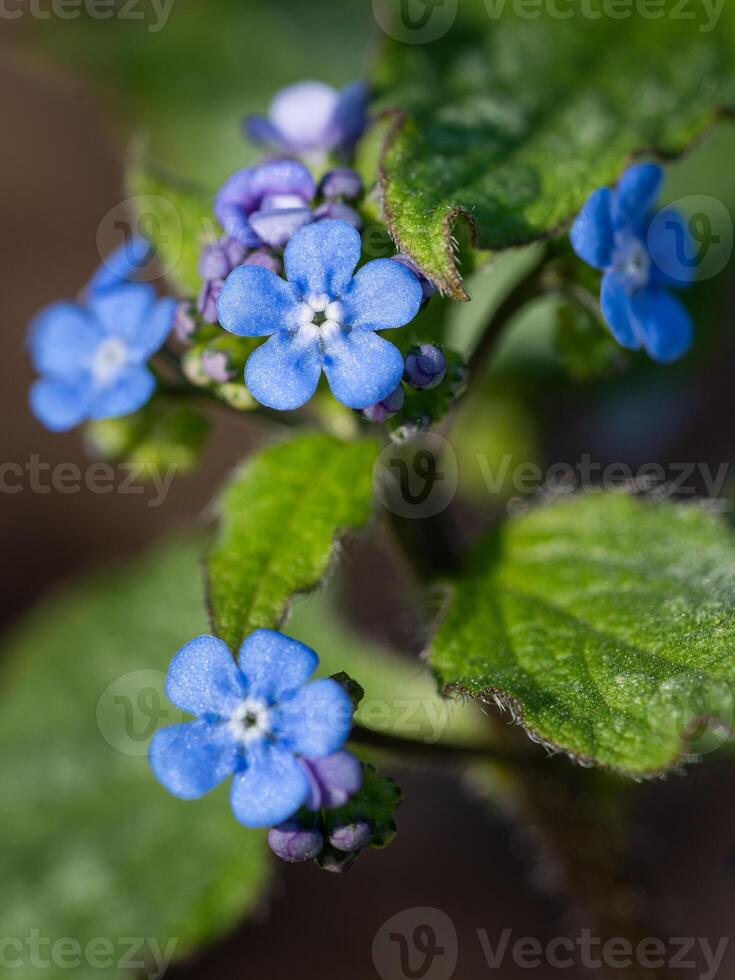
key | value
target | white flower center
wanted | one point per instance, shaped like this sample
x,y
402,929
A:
x,y
109,359
320,318
632,262
250,720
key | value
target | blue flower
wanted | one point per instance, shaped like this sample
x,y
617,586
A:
x,y
323,318
265,205
91,354
312,118
641,254
257,720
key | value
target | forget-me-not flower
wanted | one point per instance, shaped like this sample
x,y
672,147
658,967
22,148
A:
x,y
91,354
324,318
259,720
312,118
638,251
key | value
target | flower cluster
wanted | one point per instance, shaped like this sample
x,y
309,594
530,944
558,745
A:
x,y
92,353
263,722
619,233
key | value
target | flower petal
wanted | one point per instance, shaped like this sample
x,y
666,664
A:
x,y
124,312
332,779
672,249
63,339
382,295
283,373
591,234
153,329
270,790
129,391
255,302
361,367
321,258
203,678
242,193
275,665
637,192
304,115
262,132
277,227
663,323
192,758
350,114
60,405
122,265
615,305
316,720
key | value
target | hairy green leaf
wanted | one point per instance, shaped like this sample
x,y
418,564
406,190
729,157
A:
x,y
509,119
93,849
605,624
281,517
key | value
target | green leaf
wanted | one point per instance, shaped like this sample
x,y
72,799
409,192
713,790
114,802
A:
x,y
92,846
281,517
176,218
376,801
509,121
605,624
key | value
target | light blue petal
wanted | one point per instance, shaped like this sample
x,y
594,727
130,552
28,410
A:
x,y
275,665
276,227
255,302
615,305
130,390
63,339
270,790
664,324
672,249
122,265
154,329
203,678
60,405
262,132
317,720
124,312
637,192
591,234
361,367
382,295
283,373
350,115
304,115
192,758
321,258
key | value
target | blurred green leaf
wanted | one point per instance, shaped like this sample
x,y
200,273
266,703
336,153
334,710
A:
x,y
584,343
92,847
603,623
282,515
510,122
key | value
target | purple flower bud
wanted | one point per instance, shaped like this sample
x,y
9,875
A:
x,y
276,227
382,411
351,836
341,183
219,259
427,288
426,366
265,259
332,780
336,211
216,365
336,861
207,300
184,322
292,841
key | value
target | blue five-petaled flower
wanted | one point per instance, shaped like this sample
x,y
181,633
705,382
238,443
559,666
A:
x,y
641,253
324,318
91,354
257,720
